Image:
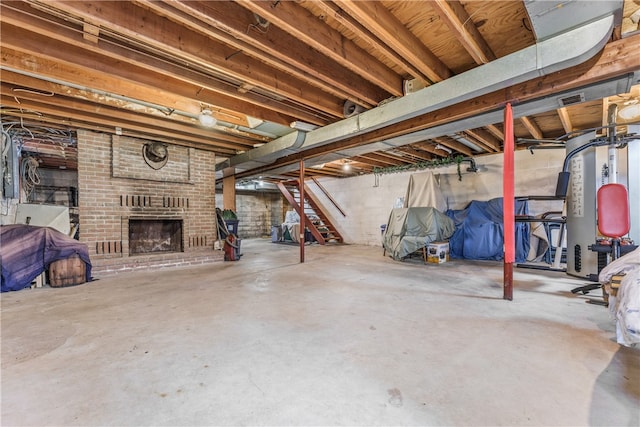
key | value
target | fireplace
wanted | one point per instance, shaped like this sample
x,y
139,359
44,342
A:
x,y
155,235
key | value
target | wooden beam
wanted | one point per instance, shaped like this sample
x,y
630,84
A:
x,y
385,157
107,117
136,81
454,145
392,32
229,189
532,127
91,32
415,153
294,34
495,131
484,139
453,13
52,121
563,113
121,116
366,36
617,58
380,158
164,38
370,161
15,81
429,147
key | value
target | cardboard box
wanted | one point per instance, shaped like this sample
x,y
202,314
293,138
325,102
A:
x,y
438,252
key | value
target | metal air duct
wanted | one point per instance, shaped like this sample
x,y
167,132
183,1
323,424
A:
x,y
569,48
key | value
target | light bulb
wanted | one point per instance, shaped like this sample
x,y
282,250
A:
x,y
206,118
629,112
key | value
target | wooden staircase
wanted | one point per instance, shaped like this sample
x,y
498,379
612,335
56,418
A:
x,y
315,219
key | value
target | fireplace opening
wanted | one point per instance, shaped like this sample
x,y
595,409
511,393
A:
x,y
155,235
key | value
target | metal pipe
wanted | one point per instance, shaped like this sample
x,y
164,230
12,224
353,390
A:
x,y
612,151
302,214
508,204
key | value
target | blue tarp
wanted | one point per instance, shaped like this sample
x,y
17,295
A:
x,y
27,250
480,231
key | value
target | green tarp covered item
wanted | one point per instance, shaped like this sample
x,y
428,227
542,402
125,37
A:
x,y
424,190
410,229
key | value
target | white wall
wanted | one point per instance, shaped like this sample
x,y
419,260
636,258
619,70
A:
x,y
367,206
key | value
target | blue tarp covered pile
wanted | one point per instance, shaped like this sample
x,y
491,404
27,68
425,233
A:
x,y
480,232
26,251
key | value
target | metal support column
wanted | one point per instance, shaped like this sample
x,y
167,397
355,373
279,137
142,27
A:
x,y
508,203
302,215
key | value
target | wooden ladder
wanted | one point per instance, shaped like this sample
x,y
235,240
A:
x,y
319,225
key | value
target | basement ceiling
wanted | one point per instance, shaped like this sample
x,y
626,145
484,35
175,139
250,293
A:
x,y
148,68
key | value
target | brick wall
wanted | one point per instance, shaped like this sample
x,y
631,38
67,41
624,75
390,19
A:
x,y
116,184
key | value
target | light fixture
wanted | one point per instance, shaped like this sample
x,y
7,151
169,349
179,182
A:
x,y
304,127
630,111
206,118
346,166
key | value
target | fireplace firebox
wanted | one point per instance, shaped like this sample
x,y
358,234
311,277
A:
x,y
155,235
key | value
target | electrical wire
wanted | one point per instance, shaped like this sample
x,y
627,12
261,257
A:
x,y
30,175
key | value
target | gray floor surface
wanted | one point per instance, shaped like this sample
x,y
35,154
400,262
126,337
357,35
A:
x,y
348,338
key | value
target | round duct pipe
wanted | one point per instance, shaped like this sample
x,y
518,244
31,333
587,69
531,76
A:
x,y
351,109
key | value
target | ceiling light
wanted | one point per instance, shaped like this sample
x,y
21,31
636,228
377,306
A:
x,y
346,166
629,112
305,127
206,118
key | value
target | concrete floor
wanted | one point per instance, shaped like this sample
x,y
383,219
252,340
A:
x,y
348,338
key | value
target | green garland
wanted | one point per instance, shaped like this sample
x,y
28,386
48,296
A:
x,y
427,164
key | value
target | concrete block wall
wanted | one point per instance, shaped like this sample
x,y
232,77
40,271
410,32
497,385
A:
x,y
257,212
116,184
367,201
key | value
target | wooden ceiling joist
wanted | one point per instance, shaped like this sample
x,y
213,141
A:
x,y
459,22
454,145
170,39
379,158
387,28
617,58
563,113
493,129
368,161
532,127
305,27
418,154
19,81
484,139
363,33
105,117
229,21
